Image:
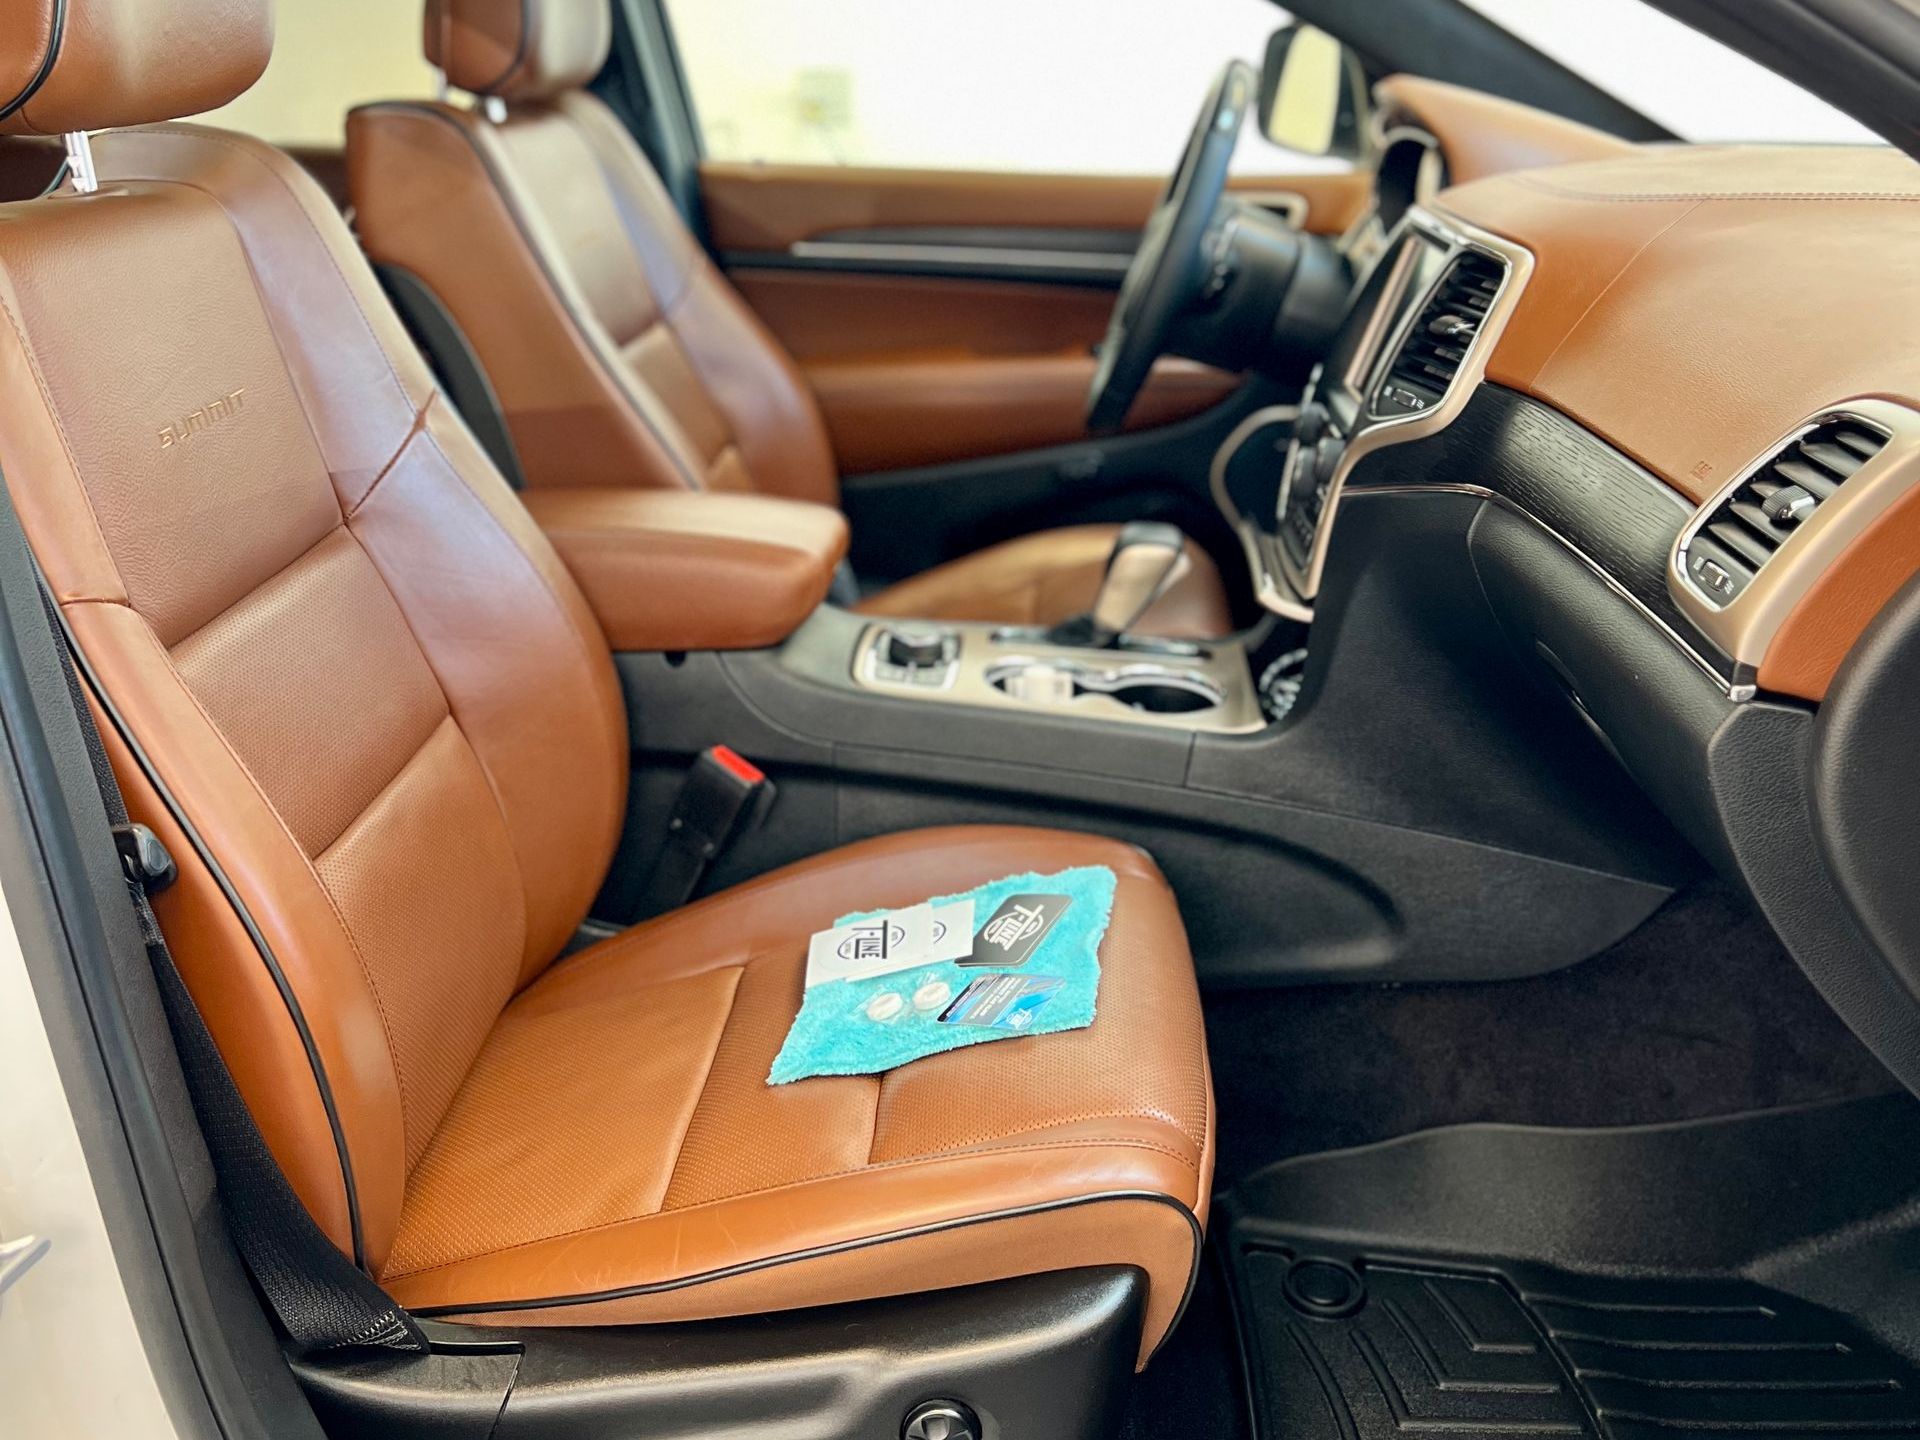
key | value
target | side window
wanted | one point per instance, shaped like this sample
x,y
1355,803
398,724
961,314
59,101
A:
x,y
1047,86
329,56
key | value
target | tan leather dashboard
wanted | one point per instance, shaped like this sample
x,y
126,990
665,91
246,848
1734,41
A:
x,y
1482,135
1692,304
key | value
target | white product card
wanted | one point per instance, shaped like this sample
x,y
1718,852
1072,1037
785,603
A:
x,y
952,932
894,940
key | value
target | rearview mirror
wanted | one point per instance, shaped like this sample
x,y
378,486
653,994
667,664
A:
x,y
1311,90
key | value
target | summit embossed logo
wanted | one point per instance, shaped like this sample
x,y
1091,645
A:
x,y
205,418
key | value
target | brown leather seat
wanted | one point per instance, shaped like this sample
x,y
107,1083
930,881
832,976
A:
x,y
395,754
618,352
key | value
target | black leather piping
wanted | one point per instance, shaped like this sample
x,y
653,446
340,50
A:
x,y
685,1282
292,1001
579,323
56,35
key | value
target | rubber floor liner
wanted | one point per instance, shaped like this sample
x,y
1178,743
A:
x,y
1627,1285
1469,1353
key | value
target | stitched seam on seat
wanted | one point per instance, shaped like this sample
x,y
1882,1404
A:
x,y
982,1147
942,1158
414,432
249,592
1079,1145
353,944
700,1094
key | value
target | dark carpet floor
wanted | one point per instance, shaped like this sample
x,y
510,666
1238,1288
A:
x,y
1699,1012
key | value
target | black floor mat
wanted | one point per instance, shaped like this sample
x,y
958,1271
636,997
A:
x,y
1525,1351
1749,1277
1700,1012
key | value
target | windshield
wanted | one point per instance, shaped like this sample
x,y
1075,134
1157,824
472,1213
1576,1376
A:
x,y
1675,76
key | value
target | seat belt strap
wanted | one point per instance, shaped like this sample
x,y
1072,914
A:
x,y
724,795
320,1298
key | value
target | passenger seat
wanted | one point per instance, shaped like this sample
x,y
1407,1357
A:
x,y
619,353
353,689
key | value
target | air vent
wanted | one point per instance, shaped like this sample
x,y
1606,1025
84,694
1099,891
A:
x,y
1437,345
1764,510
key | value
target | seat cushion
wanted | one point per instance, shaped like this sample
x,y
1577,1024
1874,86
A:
x,y
617,1156
1050,576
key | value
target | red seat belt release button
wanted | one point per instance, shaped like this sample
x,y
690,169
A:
x,y
736,764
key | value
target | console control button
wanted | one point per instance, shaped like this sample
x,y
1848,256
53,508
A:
x,y
915,648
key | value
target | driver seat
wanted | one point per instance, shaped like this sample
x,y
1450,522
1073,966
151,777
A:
x,y
616,351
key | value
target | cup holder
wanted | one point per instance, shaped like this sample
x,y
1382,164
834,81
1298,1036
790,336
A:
x,y
1172,696
1151,689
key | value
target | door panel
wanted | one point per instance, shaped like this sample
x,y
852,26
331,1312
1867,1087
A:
x,y
916,370
948,315
894,412
771,207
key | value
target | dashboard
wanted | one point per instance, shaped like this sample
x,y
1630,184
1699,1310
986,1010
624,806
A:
x,y
1650,421
1667,300
1428,306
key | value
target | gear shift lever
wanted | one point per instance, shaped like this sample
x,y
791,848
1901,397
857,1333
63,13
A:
x,y
1147,560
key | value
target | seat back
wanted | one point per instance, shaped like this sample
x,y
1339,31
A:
x,y
326,629
618,352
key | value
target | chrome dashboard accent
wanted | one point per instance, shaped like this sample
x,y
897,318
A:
x,y
1745,627
1372,435
1282,586
1259,564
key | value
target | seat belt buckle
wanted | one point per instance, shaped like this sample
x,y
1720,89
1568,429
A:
x,y
725,796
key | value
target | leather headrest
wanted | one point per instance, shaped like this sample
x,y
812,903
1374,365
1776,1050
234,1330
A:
x,y
519,49
95,64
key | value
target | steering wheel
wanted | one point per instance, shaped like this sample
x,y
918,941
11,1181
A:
x,y
1169,268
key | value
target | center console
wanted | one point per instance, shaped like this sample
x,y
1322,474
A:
x,y
1413,348
1175,684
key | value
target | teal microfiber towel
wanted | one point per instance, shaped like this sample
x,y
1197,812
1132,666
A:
x,y
832,1035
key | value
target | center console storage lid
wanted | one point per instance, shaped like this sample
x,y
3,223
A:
x,y
671,570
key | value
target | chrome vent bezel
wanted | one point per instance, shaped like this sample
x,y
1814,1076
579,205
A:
x,y
1437,384
1302,584
1745,627
1733,527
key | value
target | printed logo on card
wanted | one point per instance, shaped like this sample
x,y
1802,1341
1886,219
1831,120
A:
x,y
880,939
1016,929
